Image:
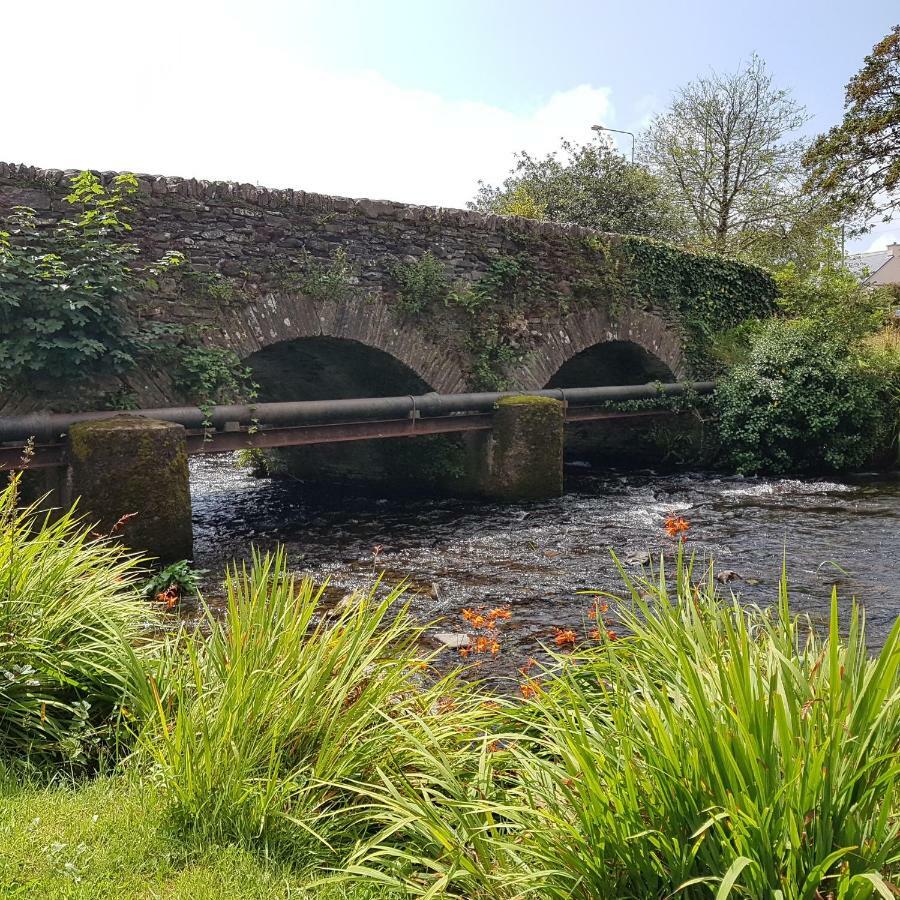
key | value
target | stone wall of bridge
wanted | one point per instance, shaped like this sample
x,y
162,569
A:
x,y
266,267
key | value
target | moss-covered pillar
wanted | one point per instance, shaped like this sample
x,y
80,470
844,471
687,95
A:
x,y
129,464
524,455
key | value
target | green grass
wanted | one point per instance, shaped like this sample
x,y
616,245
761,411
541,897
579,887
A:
x,y
713,750
110,840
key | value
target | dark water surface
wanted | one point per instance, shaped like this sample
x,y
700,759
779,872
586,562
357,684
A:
x,y
534,557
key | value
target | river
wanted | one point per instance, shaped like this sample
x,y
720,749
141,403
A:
x,y
842,532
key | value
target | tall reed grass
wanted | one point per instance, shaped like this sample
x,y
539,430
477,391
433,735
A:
x,y
275,706
718,750
70,615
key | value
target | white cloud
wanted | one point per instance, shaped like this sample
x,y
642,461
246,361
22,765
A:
x,y
884,238
179,89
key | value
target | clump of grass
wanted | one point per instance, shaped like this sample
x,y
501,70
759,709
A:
x,y
715,750
70,613
278,704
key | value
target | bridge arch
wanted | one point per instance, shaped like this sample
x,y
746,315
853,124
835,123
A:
x,y
368,333
593,347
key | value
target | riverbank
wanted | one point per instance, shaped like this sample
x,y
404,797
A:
x,y
692,745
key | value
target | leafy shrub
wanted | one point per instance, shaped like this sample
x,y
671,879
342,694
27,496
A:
x,y
420,283
211,375
174,582
800,402
69,616
835,298
713,748
62,290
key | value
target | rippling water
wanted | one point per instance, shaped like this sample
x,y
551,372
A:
x,y
536,556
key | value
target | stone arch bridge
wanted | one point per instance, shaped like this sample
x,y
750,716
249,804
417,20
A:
x,y
327,297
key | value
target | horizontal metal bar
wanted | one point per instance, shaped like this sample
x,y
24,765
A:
x,y
52,426
334,432
45,456
42,456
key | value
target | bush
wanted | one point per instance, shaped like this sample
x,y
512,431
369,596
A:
x,y
62,290
714,749
70,613
801,401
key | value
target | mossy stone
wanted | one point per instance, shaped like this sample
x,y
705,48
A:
x,y
525,452
129,464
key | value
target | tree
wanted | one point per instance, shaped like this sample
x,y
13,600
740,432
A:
x,y
857,163
590,185
726,154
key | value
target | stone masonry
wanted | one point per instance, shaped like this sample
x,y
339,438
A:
x,y
249,248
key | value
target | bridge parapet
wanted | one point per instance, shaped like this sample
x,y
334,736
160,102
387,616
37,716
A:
x,y
501,302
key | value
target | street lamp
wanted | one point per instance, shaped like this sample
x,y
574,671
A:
x,y
599,128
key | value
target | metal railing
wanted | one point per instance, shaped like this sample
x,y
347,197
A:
x,y
231,427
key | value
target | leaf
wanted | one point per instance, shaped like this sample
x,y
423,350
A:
x,y
732,875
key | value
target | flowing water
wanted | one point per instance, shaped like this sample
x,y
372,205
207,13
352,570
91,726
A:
x,y
535,557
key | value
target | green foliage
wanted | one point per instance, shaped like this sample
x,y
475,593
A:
x,y
834,297
180,578
495,305
591,185
714,749
63,290
69,614
704,294
800,402
261,463
211,284
211,375
857,163
334,281
420,283
279,703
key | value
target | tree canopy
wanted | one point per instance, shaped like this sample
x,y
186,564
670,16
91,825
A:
x,y
857,163
728,156
586,184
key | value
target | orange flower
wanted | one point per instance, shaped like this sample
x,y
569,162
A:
x,y
468,614
676,526
464,652
565,637
169,596
529,689
610,635
495,648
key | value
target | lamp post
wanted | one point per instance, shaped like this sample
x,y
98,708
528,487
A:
x,y
599,128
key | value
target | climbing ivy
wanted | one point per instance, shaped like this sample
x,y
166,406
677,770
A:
x,y
703,293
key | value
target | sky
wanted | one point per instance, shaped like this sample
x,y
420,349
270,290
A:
x,y
409,100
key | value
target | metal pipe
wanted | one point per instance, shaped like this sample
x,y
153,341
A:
x,y
49,427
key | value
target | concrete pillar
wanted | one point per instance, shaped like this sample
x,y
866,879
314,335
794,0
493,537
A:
x,y
129,464
525,450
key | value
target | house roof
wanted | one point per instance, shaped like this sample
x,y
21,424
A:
x,y
865,264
